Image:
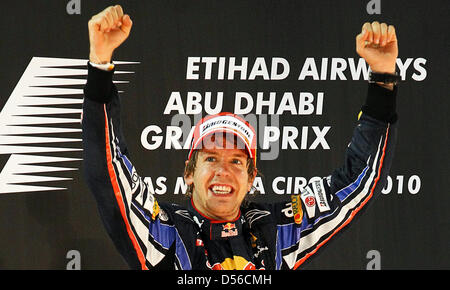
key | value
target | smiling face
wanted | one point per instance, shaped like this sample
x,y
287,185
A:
x,y
221,179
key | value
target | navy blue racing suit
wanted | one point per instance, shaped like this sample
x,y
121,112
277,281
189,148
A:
x,y
279,235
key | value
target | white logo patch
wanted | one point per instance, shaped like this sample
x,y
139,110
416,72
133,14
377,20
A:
x,y
309,201
319,192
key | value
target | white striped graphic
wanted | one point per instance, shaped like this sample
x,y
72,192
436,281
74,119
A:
x,y
37,95
139,229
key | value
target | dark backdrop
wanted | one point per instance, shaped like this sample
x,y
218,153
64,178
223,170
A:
x,y
45,221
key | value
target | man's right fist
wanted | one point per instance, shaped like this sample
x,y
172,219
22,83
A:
x,y
107,30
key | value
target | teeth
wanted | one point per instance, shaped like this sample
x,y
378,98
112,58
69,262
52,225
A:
x,y
221,189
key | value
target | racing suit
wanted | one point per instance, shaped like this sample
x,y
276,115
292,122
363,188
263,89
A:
x,y
279,235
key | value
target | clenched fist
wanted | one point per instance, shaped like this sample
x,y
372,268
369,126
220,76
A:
x,y
377,44
107,30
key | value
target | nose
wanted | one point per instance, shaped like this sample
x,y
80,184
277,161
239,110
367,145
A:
x,y
222,169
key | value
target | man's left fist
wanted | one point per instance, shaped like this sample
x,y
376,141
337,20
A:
x,y
377,44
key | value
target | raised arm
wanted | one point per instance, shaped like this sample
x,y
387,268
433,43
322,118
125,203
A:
x,y
329,204
127,208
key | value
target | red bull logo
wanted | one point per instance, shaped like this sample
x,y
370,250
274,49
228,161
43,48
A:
x,y
229,230
235,263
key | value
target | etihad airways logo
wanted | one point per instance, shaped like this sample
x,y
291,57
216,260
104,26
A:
x,y
40,126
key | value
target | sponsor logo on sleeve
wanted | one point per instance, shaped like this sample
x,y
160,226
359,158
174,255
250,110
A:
x,y
297,209
319,192
309,201
155,210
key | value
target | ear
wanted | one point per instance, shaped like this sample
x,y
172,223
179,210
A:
x,y
188,179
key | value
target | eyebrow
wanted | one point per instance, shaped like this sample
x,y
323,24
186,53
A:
x,y
211,152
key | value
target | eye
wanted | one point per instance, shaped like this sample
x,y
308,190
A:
x,y
236,161
210,159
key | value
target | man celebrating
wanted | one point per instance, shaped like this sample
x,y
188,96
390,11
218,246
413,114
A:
x,y
218,228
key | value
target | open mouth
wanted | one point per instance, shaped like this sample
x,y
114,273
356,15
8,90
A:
x,y
221,189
